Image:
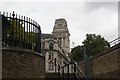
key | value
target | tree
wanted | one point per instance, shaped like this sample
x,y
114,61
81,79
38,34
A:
x,y
94,44
15,30
76,53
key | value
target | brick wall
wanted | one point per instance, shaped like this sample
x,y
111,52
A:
x,y
22,64
106,65
119,63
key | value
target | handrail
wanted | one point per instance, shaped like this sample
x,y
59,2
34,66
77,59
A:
x,y
80,70
114,42
77,71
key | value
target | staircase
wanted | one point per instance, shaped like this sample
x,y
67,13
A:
x,y
52,75
57,76
77,74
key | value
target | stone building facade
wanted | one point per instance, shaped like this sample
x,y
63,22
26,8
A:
x,y
60,31
56,46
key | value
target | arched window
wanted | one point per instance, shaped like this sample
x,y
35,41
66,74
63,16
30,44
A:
x,y
50,56
50,61
51,46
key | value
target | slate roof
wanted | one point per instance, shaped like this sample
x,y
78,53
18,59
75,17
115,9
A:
x,y
46,36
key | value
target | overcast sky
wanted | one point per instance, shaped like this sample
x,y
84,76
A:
x,y
82,17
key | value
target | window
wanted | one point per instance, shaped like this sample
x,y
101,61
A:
x,y
64,41
60,41
50,56
50,61
51,46
51,66
43,45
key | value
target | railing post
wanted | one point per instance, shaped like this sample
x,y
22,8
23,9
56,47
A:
x,y
86,64
27,40
37,41
55,65
74,71
13,36
24,33
74,68
58,70
1,46
68,71
63,73
16,37
19,31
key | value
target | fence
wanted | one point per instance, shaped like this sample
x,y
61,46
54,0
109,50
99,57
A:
x,y
20,32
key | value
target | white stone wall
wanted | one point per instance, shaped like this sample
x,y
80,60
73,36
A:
x,y
61,31
58,54
60,50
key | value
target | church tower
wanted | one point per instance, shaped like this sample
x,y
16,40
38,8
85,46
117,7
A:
x,y
61,32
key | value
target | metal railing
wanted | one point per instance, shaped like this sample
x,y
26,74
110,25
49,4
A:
x,y
76,72
20,32
115,42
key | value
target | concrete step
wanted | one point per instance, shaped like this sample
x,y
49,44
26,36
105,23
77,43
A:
x,y
59,76
51,75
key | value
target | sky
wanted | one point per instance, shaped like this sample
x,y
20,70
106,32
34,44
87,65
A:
x,y
83,17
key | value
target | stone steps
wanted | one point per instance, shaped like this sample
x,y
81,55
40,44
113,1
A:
x,y
56,76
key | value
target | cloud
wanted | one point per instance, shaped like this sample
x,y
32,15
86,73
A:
x,y
101,19
92,6
82,17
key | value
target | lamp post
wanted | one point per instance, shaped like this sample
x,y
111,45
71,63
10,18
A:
x,y
86,64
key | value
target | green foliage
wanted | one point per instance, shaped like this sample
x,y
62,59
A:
x,y
19,32
16,30
76,53
94,44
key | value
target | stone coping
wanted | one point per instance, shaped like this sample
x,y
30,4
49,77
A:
x,y
21,50
116,47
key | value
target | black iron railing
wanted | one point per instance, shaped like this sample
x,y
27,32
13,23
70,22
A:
x,y
20,32
72,71
115,42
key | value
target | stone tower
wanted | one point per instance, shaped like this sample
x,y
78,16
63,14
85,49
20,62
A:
x,y
60,31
